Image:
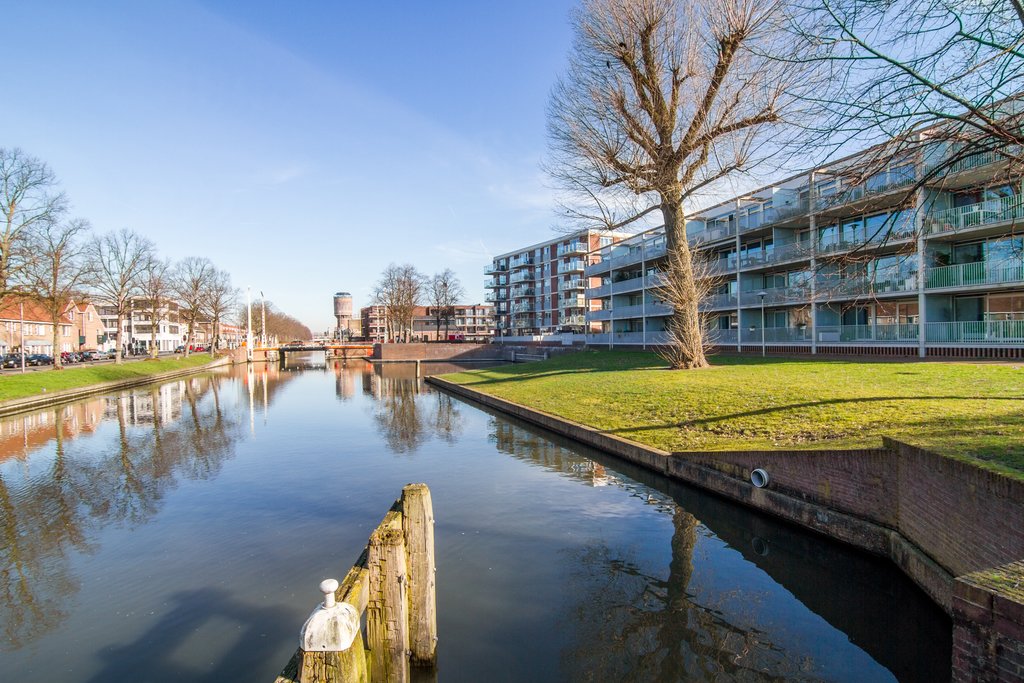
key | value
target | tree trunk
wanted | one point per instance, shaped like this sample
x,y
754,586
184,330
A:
x,y
684,325
120,336
153,351
56,344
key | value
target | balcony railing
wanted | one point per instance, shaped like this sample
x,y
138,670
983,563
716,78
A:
x,y
495,268
869,334
717,301
520,276
573,248
566,285
777,335
976,332
851,194
599,292
978,273
979,160
776,295
603,314
520,292
520,262
713,233
523,308
882,283
779,253
579,301
496,282
573,265
495,296
573,320
975,215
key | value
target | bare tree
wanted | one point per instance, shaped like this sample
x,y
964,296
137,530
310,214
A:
x,y
28,201
57,271
946,73
676,293
399,291
280,325
444,292
119,261
663,100
156,290
221,297
189,281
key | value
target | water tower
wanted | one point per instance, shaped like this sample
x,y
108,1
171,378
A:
x,y
342,313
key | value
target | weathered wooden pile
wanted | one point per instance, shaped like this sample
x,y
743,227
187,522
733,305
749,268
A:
x,y
393,583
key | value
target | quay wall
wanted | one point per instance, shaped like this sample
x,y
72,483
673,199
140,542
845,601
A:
x,y
427,352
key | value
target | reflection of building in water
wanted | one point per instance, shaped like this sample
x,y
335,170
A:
x,y
162,403
22,434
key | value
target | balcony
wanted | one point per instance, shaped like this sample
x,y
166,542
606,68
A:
x,y
573,248
721,337
494,268
520,262
777,335
776,295
572,321
521,292
877,185
641,310
567,285
596,316
974,215
881,283
895,333
523,308
713,233
1010,271
976,161
719,301
521,276
599,292
794,251
976,332
495,296
496,282
572,301
573,265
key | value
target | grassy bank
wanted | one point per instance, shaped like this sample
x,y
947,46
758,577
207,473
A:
x,y
77,376
970,411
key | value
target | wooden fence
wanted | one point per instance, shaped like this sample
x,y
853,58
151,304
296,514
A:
x,y
393,583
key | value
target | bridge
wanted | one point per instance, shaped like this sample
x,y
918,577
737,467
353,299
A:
x,y
343,351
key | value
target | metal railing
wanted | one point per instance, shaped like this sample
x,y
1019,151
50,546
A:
x,y
603,314
978,273
775,295
716,301
975,215
572,265
867,334
976,332
520,276
599,292
520,292
571,284
856,286
857,192
573,248
777,335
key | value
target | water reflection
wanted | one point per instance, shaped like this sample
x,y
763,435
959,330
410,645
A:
x,y
686,624
406,410
54,499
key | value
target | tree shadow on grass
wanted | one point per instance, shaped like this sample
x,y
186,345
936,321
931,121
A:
x,y
806,404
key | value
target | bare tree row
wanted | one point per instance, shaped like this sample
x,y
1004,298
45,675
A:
x,y
51,258
401,289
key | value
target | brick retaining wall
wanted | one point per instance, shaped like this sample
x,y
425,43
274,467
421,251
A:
x,y
386,352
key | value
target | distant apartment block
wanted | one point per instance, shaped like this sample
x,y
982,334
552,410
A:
x,y
897,259
467,322
540,290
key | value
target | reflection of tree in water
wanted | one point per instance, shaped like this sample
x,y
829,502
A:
x,y
45,514
634,626
542,451
399,410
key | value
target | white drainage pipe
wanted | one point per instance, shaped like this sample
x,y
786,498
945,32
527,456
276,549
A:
x,y
759,478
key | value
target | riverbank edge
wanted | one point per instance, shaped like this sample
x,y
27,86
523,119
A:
x,y
969,516
19,405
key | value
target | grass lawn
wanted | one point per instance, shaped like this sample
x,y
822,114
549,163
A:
x,y
964,410
19,385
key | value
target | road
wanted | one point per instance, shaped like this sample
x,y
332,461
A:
x,y
127,359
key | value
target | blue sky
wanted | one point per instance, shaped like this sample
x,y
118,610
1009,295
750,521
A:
x,y
302,146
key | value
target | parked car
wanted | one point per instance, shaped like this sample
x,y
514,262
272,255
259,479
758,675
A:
x,y
85,356
180,348
111,354
11,360
39,359
67,357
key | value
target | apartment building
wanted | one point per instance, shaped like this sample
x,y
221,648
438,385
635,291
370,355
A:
x,y
24,322
898,260
540,291
137,327
467,322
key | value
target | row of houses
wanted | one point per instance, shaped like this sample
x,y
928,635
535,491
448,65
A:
x,y
86,325
898,260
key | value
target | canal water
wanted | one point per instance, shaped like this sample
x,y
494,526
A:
x,y
178,533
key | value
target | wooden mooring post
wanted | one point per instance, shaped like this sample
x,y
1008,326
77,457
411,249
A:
x,y
393,583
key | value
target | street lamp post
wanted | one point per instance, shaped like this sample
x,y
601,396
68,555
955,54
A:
x,y
263,320
762,295
248,324
21,314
